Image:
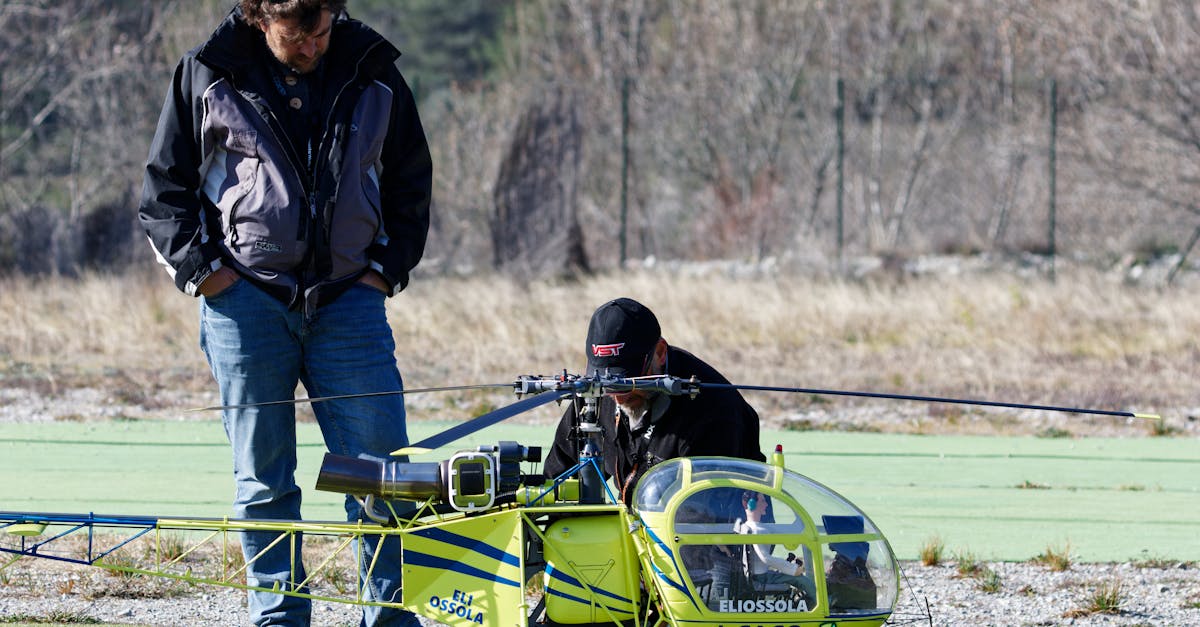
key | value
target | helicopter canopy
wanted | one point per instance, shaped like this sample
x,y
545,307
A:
x,y
806,549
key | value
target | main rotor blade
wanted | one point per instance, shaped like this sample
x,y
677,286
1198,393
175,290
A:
x,y
930,399
297,401
479,422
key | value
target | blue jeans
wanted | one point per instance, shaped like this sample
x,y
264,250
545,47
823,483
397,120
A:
x,y
258,351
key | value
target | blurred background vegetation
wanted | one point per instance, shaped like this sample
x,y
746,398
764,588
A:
x,y
804,134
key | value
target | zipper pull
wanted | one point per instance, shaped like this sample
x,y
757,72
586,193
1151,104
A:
x,y
233,233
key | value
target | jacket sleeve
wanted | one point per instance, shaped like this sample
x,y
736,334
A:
x,y
406,187
562,453
170,209
728,429
712,439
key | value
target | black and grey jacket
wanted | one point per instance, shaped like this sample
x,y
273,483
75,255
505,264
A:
x,y
224,184
715,422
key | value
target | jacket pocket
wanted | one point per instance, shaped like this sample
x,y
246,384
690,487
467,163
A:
x,y
356,225
233,176
371,193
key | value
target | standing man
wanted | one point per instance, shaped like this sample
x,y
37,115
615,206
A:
x,y
643,428
288,186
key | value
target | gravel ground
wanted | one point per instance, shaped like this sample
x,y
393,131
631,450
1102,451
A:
x,y
1025,594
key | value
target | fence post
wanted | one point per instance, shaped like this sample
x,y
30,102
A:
x,y
840,117
622,237
3,121
1053,173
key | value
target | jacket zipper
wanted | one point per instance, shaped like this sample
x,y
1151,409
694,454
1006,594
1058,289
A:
x,y
322,160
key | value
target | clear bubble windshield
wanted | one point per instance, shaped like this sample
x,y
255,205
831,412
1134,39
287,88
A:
x,y
751,537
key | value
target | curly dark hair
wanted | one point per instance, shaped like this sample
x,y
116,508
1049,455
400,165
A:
x,y
306,12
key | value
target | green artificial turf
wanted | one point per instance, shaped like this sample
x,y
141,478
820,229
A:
x,y
1012,498
1003,498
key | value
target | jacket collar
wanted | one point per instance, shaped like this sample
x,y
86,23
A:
x,y
235,46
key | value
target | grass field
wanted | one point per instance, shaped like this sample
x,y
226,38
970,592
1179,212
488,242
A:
x,y
1089,340
1000,498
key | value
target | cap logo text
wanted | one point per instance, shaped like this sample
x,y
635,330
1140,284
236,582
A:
x,y
607,350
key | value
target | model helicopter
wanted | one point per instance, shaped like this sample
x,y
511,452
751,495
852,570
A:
x,y
679,553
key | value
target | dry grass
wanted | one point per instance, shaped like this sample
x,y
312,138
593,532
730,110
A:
x,y
198,555
1088,340
932,551
1055,558
967,564
1107,597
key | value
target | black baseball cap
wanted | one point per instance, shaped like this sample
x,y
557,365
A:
x,y
621,335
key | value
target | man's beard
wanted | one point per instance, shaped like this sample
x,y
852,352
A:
x,y
633,411
300,65
638,405
296,62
